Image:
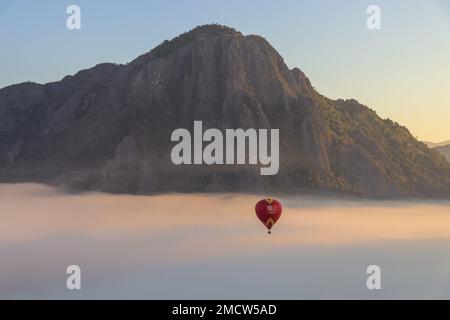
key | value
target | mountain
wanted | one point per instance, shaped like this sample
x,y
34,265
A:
x,y
108,128
442,147
445,150
439,144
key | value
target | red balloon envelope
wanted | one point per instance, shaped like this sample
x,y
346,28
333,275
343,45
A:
x,y
268,211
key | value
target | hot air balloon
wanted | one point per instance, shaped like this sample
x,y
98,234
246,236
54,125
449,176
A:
x,y
268,211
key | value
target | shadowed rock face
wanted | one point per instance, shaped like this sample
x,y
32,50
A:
x,y
108,128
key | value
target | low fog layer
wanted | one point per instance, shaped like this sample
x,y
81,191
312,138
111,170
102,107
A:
x,y
190,246
30,211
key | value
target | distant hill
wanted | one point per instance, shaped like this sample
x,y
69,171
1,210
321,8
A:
x,y
445,150
439,144
108,128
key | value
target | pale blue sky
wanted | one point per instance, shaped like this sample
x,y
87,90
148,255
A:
x,y
401,71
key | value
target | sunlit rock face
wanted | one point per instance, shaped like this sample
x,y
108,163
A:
x,y
108,128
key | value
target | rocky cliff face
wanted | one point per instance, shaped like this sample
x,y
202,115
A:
x,y
108,128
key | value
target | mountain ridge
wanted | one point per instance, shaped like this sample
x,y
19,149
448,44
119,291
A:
x,y
437,144
108,128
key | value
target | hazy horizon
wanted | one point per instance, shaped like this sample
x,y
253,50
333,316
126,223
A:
x,y
401,71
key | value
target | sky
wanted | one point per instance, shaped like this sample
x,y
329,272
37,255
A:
x,y
402,71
